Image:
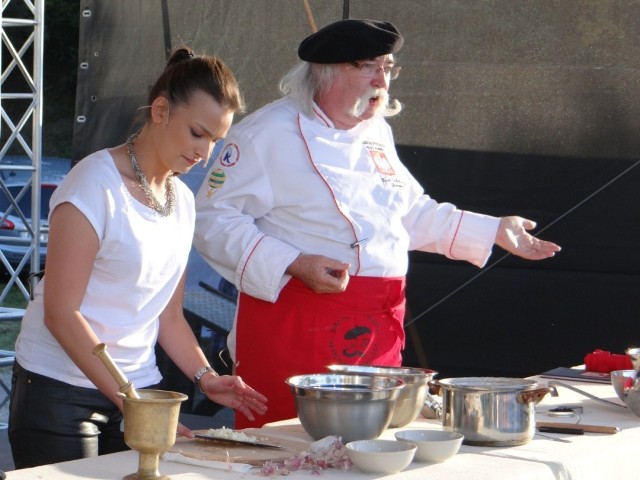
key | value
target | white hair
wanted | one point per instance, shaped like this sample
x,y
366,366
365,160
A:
x,y
306,80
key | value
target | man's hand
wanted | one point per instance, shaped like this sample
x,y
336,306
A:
x,y
321,274
512,235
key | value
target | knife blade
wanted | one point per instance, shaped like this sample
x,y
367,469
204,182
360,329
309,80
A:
x,y
577,427
555,383
238,443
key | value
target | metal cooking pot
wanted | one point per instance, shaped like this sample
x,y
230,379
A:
x,y
495,412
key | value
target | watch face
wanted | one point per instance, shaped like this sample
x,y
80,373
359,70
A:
x,y
199,374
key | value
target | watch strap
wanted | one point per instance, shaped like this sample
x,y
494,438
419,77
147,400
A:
x,y
200,373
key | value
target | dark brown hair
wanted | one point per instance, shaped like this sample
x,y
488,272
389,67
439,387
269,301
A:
x,y
186,73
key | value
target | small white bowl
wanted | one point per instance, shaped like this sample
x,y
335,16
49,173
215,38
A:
x,y
434,446
381,456
619,379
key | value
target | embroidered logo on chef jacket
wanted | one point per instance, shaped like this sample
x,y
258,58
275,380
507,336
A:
x,y
376,150
230,155
216,180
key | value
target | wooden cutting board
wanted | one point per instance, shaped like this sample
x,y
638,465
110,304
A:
x,y
257,456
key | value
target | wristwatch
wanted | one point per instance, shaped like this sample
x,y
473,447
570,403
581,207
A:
x,y
200,373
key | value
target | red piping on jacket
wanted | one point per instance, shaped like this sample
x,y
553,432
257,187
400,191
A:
x,y
455,235
353,230
249,258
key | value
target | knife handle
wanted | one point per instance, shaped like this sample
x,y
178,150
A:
x,y
571,431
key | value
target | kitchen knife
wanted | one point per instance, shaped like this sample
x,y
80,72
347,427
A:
x,y
238,443
577,427
570,431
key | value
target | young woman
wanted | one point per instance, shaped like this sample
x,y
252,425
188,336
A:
x,y
121,227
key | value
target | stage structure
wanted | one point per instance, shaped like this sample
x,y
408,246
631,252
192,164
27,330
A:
x,y
529,108
21,125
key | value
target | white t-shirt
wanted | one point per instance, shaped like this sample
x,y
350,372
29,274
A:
x,y
140,260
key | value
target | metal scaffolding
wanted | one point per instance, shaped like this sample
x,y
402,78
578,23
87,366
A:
x,y
21,57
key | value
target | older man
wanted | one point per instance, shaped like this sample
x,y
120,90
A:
x,y
310,213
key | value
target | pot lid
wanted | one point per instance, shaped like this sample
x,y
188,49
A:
x,y
488,383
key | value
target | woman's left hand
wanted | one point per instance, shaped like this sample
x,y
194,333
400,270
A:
x,y
512,235
231,391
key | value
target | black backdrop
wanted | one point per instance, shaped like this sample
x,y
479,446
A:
x,y
510,108
518,317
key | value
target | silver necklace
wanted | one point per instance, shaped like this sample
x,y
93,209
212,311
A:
x,y
169,192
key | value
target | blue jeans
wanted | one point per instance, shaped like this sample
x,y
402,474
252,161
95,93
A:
x,y
52,421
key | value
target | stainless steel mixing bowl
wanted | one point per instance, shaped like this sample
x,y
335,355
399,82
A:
x,y
632,400
354,407
621,379
412,396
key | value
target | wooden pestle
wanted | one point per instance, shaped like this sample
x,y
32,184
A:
x,y
125,385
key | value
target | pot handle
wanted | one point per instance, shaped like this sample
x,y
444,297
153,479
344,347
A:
x,y
533,396
434,387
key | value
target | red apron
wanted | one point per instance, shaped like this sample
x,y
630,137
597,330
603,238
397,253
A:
x,y
303,332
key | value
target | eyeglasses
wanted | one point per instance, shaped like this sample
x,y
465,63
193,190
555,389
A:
x,y
370,70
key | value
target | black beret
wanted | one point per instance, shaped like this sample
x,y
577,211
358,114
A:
x,y
350,40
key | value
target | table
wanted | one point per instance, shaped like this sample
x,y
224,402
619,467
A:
x,y
592,456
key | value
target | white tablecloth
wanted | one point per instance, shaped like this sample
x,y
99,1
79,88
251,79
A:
x,y
588,456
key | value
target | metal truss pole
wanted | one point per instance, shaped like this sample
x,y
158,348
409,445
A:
x,y
26,45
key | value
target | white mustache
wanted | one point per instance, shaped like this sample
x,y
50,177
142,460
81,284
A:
x,y
363,102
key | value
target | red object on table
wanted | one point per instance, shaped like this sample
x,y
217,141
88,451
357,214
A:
x,y
603,361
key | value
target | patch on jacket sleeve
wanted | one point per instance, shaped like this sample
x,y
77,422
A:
x,y
230,155
216,180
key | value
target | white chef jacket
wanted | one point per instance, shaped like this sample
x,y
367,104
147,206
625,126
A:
x,y
286,184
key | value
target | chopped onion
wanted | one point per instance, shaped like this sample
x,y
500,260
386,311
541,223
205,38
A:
x,y
328,452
